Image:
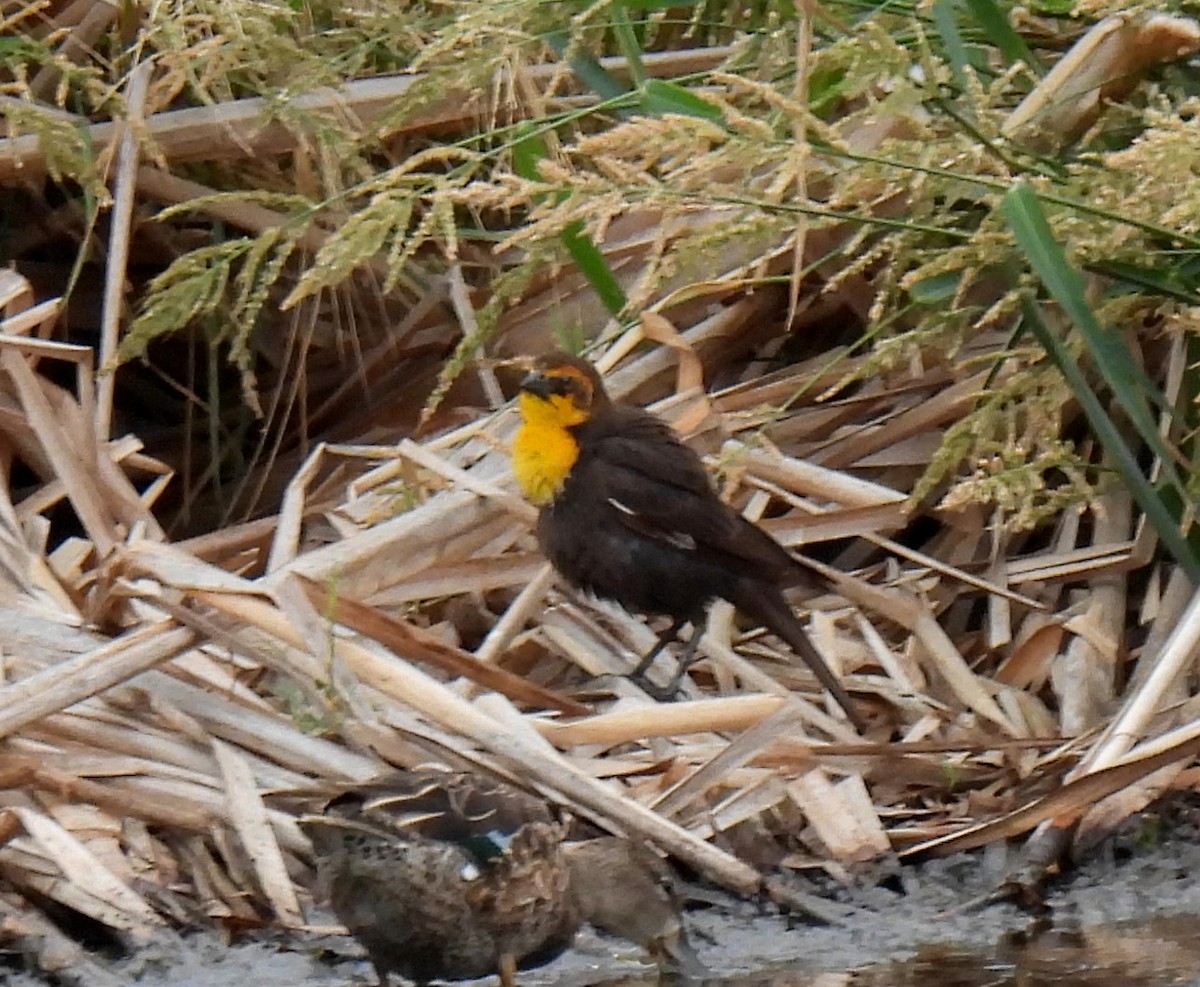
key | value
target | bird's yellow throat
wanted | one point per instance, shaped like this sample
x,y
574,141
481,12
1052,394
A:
x,y
545,450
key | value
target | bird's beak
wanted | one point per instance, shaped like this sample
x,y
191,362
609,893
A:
x,y
674,955
538,384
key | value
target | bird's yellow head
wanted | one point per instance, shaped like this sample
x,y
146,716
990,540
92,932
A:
x,y
559,392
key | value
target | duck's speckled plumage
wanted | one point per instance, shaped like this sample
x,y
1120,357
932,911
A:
x,y
450,876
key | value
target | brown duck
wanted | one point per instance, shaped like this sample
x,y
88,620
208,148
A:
x,y
452,876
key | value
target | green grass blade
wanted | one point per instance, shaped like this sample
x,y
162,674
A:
x,y
595,267
527,152
998,32
591,73
1168,282
1121,372
660,97
660,4
627,41
1147,498
955,48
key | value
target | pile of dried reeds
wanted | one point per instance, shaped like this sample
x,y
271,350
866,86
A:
x,y
162,698
147,757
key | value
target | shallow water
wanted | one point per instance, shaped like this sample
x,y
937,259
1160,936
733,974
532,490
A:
x,y
1165,951
1129,919
1161,952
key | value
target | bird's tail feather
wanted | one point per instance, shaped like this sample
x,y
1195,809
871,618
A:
x,y
767,605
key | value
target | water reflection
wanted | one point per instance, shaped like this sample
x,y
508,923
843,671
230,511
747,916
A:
x,y
1147,954
1161,952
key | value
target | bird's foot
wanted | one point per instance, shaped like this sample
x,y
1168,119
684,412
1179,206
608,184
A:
x,y
667,693
661,693
508,970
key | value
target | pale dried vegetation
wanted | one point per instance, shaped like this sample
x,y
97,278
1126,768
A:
x,y
280,547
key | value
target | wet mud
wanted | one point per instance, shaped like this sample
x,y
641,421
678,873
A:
x,y
1129,916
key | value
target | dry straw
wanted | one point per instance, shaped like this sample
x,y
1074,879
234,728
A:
x,y
168,708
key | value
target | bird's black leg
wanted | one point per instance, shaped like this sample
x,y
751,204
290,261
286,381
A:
x,y
686,660
665,638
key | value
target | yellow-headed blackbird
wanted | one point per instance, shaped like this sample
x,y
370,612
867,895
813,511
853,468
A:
x,y
628,514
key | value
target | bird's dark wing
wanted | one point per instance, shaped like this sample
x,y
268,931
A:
x,y
658,488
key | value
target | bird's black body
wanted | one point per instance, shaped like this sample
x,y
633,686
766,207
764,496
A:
x,y
637,521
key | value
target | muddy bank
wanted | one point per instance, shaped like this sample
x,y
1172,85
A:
x,y
889,913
